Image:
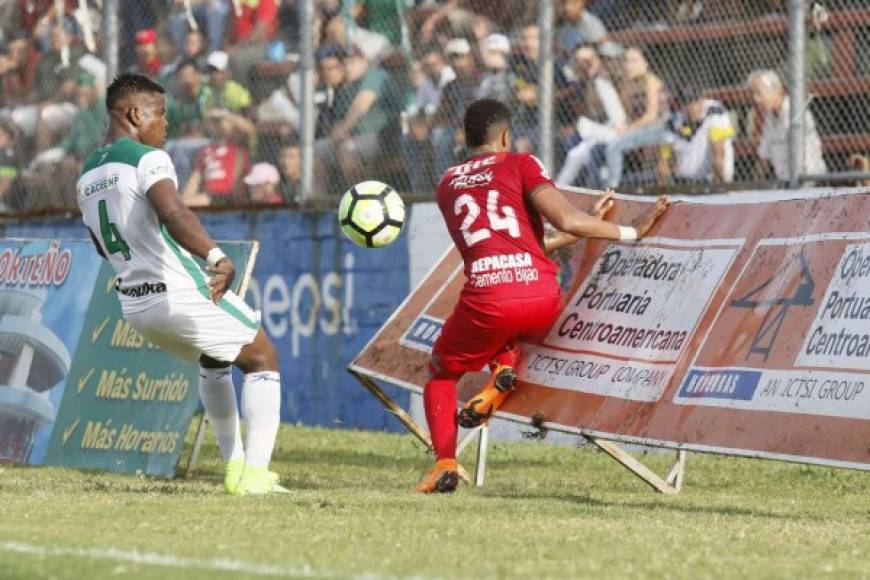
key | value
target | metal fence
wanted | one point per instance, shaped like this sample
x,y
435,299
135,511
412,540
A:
x,y
287,101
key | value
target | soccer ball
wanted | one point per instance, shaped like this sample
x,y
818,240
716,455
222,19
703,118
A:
x,y
371,214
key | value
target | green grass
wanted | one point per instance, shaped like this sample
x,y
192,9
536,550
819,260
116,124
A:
x,y
545,512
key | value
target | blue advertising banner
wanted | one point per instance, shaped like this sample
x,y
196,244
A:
x,y
321,297
42,311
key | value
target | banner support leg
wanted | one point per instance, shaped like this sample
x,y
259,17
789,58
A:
x,y
197,446
639,469
403,416
482,445
678,471
394,408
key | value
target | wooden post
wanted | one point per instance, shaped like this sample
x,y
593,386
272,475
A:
x,y
639,469
393,407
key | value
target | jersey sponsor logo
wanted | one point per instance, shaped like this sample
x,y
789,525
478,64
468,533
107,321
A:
x,y
143,289
472,180
86,190
466,168
163,169
501,262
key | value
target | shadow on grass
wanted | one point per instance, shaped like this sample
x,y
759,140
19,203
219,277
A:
x,y
660,503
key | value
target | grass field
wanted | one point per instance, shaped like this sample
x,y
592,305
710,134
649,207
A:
x,y
545,512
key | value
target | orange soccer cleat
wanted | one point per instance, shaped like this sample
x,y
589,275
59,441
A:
x,y
480,407
443,478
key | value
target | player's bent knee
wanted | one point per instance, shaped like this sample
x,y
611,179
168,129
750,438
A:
x,y
207,362
258,356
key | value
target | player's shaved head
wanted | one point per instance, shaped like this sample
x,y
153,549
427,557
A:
x,y
127,87
485,121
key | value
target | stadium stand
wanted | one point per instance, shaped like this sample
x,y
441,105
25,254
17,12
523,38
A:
x,y
710,46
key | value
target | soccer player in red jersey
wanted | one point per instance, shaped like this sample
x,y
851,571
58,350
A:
x,y
494,205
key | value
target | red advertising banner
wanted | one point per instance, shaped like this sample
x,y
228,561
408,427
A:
x,y
741,326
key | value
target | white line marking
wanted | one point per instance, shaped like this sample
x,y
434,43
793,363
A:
x,y
173,561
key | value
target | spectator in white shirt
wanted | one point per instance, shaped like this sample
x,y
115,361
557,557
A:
x,y
699,142
373,46
603,112
769,96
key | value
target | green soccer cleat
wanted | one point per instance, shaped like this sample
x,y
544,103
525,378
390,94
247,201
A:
x,y
233,474
259,481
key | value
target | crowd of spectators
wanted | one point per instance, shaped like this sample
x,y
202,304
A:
x,y
393,79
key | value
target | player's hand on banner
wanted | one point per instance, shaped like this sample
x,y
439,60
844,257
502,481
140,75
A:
x,y
222,275
645,222
603,204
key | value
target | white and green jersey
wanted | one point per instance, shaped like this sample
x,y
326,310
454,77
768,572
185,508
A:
x,y
112,195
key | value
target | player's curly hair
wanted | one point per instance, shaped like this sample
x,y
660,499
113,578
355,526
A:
x,y
482,118
129,84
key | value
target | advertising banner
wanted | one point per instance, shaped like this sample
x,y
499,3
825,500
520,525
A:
x,y
740,326
321,299
45,289
128,404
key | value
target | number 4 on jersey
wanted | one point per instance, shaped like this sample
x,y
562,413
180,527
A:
x,y
112,239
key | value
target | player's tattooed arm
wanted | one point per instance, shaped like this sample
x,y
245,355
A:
x,y
553,205
186,229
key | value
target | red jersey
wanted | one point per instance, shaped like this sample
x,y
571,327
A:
x,y
485,204
223,164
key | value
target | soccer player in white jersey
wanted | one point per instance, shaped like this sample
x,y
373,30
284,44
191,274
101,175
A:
x,y
128,196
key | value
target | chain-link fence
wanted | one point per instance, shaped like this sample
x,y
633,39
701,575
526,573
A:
x,y
679,93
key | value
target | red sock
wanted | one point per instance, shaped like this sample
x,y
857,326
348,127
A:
x,y
507,357
439,400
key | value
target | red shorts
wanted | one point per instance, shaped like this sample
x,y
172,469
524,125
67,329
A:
x,y
477,331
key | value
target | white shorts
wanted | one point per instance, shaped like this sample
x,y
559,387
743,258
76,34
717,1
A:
x,y
188,325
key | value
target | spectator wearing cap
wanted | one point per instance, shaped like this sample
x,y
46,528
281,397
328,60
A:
x,y
210,15
699,142
148,61
457,95
221,165
578,26
224,91
373,46
262,182
599,112
769,97
496,82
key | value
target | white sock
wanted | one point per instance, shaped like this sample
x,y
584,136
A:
x,y
219,399
261,401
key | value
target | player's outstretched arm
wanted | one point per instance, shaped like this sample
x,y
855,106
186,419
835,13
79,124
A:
x,y
186,229
559,240
552,204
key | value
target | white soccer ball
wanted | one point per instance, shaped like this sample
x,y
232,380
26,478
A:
x,y
371,214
